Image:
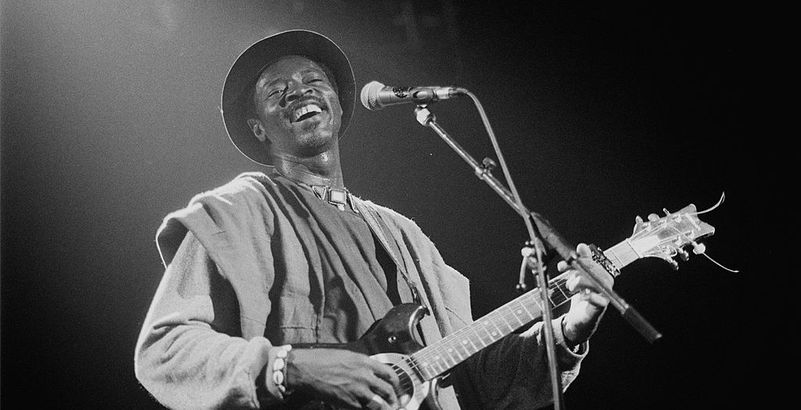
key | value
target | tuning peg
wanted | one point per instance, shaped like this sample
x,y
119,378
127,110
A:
x,y
638,224
653,217
698,248
673,264
684,255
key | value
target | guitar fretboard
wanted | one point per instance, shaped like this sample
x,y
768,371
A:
x,y
453,349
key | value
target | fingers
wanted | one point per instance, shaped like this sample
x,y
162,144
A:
x,y
385,372
386,384
596,299
584,250
346,378
376,402
583,263
385,392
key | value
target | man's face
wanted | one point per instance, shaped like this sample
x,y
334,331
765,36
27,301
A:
x,y
297,107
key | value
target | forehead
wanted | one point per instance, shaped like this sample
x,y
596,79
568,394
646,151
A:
x,y
286,67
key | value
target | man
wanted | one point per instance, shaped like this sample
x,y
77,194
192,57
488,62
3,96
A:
x,y
265,267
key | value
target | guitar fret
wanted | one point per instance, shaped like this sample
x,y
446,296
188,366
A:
x,y
441,369
463,345
488,332
622,254
564,295
444,355
475,331
614,257
475,348
528,312
451,349
423,368
511,329
497,329
480,336
442,361
517,313
565,291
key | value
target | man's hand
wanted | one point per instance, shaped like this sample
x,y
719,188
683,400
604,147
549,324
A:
x,y
343,377
588,305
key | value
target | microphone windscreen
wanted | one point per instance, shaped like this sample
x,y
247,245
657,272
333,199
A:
x,y
369,95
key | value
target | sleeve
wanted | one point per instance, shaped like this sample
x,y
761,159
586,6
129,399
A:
x,y
513,373
189,353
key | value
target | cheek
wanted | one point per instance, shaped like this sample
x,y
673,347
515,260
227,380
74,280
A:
x,y
336,111
271,114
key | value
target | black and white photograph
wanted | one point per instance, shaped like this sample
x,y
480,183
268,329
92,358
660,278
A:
x,y
377,204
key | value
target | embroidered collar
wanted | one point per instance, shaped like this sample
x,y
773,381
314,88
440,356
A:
x,y
338,197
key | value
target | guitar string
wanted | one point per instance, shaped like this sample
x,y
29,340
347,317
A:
x,y
500,314
712,208
431,353
507,315
702,251
405,386
408,382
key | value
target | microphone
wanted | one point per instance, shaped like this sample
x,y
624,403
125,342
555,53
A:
x,y
376,96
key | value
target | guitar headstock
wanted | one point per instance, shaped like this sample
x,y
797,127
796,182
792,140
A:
x,y
667,237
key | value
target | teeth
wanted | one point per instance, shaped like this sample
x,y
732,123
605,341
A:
x,y
305,110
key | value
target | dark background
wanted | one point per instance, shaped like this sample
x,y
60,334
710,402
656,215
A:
x,y
110,120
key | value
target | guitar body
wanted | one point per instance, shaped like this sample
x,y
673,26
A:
x,y
390,340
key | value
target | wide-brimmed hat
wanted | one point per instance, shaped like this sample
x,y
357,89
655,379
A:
x,y
237,100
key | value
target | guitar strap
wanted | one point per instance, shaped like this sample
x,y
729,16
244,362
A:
x,y
382,232
439,399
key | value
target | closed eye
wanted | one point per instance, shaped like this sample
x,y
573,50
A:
x,y
274,92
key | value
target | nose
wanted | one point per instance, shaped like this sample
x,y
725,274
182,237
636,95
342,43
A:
x,y
295,91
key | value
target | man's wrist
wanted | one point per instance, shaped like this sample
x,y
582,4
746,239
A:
x,y
274,373
569,342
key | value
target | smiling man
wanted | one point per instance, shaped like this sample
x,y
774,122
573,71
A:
x,y
298,113
274,281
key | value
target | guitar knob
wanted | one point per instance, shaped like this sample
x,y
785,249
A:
x,y
392,339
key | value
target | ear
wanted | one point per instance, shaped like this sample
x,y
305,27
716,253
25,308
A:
x,y
257,129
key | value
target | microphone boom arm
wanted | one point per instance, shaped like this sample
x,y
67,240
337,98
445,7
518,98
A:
x,y
427,119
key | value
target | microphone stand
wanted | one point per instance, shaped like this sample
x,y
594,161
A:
x,y
539,230
427,119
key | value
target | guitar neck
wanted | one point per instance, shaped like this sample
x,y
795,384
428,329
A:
x,y
455,348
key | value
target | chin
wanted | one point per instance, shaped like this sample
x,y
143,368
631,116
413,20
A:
x,y
316,141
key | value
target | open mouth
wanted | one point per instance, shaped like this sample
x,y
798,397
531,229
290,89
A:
x,y
305,112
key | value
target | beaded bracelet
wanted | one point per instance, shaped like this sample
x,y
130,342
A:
x,y
279,369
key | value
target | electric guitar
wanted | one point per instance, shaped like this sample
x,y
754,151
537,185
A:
x,y
391,340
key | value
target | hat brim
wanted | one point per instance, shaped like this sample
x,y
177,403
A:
x,y
236,100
